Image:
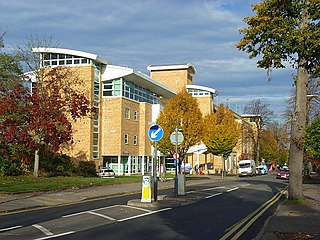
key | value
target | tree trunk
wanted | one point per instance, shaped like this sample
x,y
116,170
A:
x,y
36,164
299,119
297,133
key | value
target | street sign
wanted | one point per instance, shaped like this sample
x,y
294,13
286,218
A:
x,y
155,133
176,137
176,156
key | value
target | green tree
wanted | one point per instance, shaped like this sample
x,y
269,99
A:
x,y
181,112
287,30
313,139
222,132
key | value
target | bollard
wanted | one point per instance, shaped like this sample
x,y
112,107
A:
x,y
147,189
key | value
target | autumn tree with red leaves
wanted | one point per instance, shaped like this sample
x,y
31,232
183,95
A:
x,y
44,117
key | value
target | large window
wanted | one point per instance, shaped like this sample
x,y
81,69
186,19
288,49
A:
x,y
96,96
55,59
128,89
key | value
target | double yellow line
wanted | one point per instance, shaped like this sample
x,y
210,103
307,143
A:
x,y
252,217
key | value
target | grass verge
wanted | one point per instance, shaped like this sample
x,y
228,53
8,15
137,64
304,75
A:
x,y
16,184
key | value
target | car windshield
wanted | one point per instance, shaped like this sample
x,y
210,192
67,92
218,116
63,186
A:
x,y
284,170
244,165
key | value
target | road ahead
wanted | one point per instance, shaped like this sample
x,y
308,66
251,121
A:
x,y
216,210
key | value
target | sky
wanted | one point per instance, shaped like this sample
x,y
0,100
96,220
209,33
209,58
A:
x,y
138,33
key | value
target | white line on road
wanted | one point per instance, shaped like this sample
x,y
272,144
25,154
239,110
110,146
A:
x,y
54,236
208,189
101,215
232,189
217,194
9,228
141,209
144,214
43,229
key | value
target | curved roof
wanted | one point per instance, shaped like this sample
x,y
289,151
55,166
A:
x,y
171,67
203,88
112,72
71,52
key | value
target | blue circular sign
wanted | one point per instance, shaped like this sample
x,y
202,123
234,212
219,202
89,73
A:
x,y
155,133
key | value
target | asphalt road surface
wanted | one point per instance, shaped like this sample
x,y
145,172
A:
x,y
234,209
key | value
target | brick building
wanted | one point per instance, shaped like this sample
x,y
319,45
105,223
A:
x,y
127,101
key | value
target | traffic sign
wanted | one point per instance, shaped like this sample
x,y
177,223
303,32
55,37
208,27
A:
x,y
176,137
155,133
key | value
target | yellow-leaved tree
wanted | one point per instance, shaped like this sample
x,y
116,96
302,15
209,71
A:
x,y
222,132
181,112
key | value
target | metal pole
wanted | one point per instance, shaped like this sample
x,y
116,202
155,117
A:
x,y
176,132
154,170
176,167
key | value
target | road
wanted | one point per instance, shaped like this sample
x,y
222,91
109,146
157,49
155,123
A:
x,y
217,210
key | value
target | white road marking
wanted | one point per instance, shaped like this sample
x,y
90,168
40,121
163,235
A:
x,y
54,236
9,228
101,215
43,229
133,207
144,214
232,189
208,189
97,209
217,194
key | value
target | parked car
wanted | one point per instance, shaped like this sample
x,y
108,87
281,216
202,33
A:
x,y
104,173
247,168
283,173
262,169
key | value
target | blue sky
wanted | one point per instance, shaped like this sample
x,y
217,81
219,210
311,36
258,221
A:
x,y
138,33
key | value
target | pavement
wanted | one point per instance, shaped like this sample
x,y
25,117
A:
x,y
290,221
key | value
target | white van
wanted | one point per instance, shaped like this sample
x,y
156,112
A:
x,y
247,167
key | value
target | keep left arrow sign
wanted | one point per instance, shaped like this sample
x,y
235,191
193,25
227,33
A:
x,y
155,133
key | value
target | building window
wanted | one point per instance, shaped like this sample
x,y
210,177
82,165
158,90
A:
x,y
136,115
135,140
126,139
53,59
127,113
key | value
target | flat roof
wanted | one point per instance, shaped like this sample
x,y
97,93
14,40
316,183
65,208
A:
x,y
171,67
71,52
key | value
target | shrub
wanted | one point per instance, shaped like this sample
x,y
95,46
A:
x,y
10,168
56,164
87,169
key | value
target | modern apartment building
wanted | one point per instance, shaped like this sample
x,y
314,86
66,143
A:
x,y
127,101
181,76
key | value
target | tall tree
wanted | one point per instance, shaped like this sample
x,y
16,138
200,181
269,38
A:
x,y
287,30
181,112
222,132
258,107
261,110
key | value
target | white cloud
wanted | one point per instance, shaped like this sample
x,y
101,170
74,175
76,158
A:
x,y
142,32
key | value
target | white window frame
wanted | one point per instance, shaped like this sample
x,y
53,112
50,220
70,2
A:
x,y
126,138
135,139
127,113
136,115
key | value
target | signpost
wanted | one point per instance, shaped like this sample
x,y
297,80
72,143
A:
x,y
176,138
150,187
